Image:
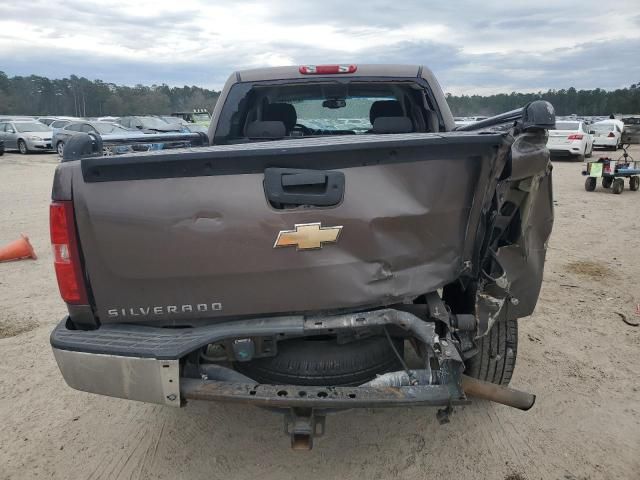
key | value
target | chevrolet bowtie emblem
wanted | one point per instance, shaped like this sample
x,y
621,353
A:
x,y
307,236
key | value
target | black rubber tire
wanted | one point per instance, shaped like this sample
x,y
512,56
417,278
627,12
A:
x,y
606,182
578,158
634,183
617,186
323,362
590,184
22,147
497,352
60,148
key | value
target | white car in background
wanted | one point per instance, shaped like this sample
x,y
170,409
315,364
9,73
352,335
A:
x,y
571,138
608,134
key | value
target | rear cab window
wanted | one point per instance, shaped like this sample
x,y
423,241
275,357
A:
x,y
261,111
567,125
604,127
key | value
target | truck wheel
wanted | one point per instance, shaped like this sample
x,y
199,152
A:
x,y
496,357
590,184
606,182
22,147
618,186
322,361
634,183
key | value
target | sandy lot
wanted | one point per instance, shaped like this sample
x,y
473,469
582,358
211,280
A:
x,y
575,353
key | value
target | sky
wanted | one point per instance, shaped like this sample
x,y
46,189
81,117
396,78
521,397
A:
x,y
481,47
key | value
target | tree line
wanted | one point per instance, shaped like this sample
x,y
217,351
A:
x,y
565,101
78,96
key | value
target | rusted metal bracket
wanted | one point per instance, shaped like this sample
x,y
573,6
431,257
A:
x,y
296,396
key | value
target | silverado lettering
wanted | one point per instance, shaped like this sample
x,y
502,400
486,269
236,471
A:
x,y
163,309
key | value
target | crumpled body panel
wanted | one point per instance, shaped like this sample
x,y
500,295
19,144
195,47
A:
x,y
516,253
166,245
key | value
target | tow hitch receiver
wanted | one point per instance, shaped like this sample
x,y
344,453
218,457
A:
x,y
303,425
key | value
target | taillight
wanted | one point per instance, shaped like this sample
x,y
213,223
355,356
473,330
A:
x,y
327,69
575,136
66,257
611,135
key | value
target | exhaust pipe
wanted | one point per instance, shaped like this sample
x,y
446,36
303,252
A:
x,y
472,387
497,393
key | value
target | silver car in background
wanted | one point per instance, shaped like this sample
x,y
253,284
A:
x,y
103,128
25,136
58,125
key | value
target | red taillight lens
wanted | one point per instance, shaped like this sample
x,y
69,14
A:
x,y
327,69
66,258
611,135
575,136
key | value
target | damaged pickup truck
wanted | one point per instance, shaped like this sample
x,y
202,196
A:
x,y
338,244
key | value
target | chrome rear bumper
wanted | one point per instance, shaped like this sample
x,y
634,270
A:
x,y
133,378
143,363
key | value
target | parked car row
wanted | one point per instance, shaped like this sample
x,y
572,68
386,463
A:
x,y
28,134
573,137
577,138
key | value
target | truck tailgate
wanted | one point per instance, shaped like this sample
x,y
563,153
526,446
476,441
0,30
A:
x,y
174,237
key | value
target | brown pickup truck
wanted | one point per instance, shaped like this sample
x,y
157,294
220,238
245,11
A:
x,y
338,244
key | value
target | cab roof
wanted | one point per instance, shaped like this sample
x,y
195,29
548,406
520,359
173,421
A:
x,y
366,70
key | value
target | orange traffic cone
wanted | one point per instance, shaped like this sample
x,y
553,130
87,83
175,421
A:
x,y
17,249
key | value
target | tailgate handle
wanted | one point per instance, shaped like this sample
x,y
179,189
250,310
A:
x,y
295,187
305,178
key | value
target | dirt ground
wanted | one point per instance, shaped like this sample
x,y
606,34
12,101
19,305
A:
x,y
575,353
